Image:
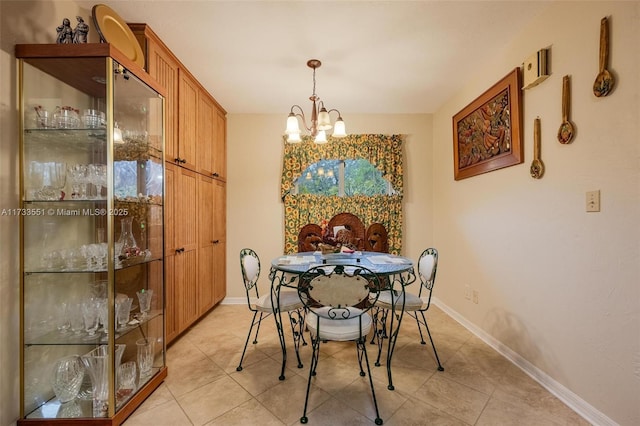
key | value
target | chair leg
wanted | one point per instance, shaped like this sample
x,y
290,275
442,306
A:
x,y
440,367
315,354
297,327
255,340
362,350
381,333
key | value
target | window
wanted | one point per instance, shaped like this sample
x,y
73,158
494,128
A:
x,y
343,178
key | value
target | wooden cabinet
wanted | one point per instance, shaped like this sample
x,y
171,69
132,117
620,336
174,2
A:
x,y
206,133
220,146
205,243
187,120
181,249
219,241
195,218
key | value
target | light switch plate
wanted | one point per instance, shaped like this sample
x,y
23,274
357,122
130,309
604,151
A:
x,y
593,201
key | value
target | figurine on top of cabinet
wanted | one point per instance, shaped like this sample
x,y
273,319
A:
x,y
81,31
65,33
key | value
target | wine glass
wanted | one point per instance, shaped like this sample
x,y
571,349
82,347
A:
x,y
91,314
144,298
77,175
63,321
97,174
123,309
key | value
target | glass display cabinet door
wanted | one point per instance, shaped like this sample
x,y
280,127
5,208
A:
x,y
92,284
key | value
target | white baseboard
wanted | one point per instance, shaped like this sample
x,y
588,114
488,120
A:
x,y
579,405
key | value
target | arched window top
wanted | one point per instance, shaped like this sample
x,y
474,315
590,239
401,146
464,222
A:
x,y
344,178
382,151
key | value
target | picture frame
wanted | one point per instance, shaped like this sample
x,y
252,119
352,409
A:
x,y
487,133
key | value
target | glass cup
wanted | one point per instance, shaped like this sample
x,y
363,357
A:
x,y
145,357
126,380
144,298
123,309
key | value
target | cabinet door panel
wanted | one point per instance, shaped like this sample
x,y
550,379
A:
x,y
187,288
219,271
206,133
171,318
187,217
188,120
220,146
164,68
206,213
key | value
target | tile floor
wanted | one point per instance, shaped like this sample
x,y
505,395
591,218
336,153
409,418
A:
x,y
478,386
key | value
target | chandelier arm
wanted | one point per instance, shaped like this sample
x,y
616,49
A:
x,y
301,115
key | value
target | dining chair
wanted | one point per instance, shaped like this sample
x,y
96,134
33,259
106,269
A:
x,y
336,301
263,306
412,305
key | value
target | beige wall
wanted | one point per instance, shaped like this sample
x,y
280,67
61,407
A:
x,y
255,211
557,286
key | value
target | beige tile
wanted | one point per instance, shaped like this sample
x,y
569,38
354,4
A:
x,y
286,399
358,397
212,400
417,413
258,377
203,386
160,396
185,378
249,413
334,412
169,413
453,398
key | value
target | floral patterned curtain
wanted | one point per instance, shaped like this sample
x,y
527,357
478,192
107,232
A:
x,y
383,151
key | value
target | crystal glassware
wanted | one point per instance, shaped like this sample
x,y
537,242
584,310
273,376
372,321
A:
x,y
68,373
123,309
144,298
63,321
78,177
91,315
97,364
126,380
145,357
76,318
128,245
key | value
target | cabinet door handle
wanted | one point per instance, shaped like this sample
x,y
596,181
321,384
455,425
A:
x,y
183,161
215,241
177,160
215,174
180,250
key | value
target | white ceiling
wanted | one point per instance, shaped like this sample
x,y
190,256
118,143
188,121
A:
x,y
377,56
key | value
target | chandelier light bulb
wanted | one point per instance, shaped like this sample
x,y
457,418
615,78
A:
x,y
339,130
321,137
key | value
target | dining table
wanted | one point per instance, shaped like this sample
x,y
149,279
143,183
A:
x,y
395,271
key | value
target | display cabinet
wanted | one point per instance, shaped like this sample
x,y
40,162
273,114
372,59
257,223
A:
x,y
92,235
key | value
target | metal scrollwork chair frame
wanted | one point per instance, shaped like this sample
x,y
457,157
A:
x,y
263,306
337,301
415,306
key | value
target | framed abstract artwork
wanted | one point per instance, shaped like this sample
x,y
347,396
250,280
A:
x,y
487,133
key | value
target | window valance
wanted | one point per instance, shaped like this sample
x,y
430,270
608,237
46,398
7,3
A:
x,y
383,151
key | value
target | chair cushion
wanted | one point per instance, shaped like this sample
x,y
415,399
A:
x,y
338,329
387,298
289,301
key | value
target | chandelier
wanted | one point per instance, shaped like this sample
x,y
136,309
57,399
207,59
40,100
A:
x,y
320,119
